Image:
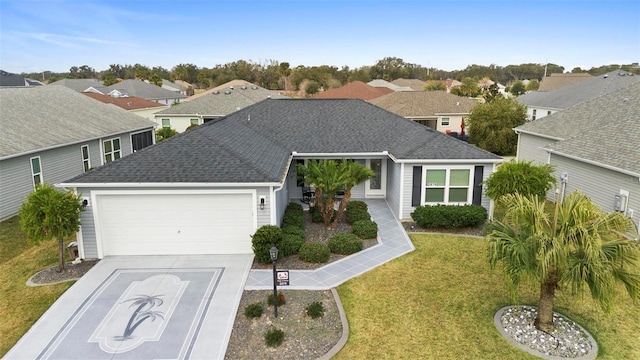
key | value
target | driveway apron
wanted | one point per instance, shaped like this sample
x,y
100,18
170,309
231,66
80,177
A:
x,y
143,307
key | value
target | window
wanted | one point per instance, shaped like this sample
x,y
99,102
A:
x,y
166,123
447,186
533,117
549,112
86,163
141,140
444,121
36,171
112,150
194,121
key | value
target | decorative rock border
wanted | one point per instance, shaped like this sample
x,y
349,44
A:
x,y
568,341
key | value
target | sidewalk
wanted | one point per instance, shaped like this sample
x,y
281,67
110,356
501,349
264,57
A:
x,y
392,243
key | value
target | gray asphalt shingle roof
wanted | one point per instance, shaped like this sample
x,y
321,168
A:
x,y
48,116
254,143
144,90
570,95
424,103
222,102
603,130
79,85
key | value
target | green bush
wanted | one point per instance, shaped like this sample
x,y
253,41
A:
x,y
274,337
357,205
356,215
291,244
315,310
521,177
293,230
293,216
365,229
449,216
264,238
254,310
281,299
345,244
314,252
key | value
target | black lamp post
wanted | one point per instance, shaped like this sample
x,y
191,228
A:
x,y
273,252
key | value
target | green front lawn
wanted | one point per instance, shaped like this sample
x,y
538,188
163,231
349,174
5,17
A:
x,y
438,302
21,305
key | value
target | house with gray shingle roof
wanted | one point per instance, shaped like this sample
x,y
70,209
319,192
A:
x,y
79,85
542,103
212,106
436,109
144,90
413,84
558,80
595,148
205,191
52,133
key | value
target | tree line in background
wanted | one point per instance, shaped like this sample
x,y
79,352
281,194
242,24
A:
x,y
275,75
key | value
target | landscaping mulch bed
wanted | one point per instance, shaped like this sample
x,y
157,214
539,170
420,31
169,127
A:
x,y
412,226
51,275
314,232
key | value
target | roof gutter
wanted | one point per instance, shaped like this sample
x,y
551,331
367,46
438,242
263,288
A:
x,y
357,154
595,163
519,131
161,185
150,126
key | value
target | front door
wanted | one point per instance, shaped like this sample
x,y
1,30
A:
x,y
377,186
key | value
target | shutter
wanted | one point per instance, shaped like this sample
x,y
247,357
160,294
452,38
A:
x,y
477,186
416,190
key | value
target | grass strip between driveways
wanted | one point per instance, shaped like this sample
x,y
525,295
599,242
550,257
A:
x,y
20,305
438,302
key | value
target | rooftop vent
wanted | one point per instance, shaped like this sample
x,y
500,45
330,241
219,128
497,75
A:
x,y
227,92
216,92
244,87
231,87
606,76
254,87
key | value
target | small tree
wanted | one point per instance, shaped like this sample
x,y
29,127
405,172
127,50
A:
x,y
520,177
49,213
165,133
576,246
312,88
491,125
517,88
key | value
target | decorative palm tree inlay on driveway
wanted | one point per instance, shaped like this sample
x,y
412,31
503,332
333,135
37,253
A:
x,y
144,305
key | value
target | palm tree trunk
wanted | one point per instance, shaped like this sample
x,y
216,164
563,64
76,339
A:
x,y
343,205
327,213
61,252
544,320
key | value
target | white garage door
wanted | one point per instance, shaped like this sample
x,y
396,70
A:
x,y
171,224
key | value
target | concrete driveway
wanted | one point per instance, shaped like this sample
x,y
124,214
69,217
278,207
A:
x,y
143,307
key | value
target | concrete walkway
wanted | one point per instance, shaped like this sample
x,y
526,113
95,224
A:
x,y
392,243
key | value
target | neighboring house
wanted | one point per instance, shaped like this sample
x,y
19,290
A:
x,y
436,109
212,106
50,134
229,84
385,84
206,191
354,90
595,148
542,103
559,80
13,80
80,85
413,84
451,83
179,86
134,105
144,90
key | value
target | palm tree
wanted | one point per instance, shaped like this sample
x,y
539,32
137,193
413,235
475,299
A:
x,y
575,246
142,312
357,174
328,177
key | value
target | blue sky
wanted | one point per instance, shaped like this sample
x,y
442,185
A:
x,y
55,35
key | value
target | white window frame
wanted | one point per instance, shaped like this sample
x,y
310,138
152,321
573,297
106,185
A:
x,y
533,114
423,200
168,123
86,161
193,122
34,174
442,121
112,152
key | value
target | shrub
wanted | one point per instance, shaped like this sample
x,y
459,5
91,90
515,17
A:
x,y
356,215
274,337
281,299
315,310
365,229
291,243
254,310
521,177
345,244
292,230
314,252
449,216
357,205
293,216
264,238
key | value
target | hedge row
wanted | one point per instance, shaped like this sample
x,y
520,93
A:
x,y
449,216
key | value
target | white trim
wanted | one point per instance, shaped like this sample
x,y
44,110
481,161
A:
x,y
113,151
160,185
339,155
401,200
33,175
88,157
518,131
450,161
98,221
371,193
448,169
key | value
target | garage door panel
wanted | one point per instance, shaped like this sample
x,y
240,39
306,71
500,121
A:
x,y
165,224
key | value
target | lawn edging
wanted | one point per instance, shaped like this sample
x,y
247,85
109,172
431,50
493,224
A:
x,y
345,328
